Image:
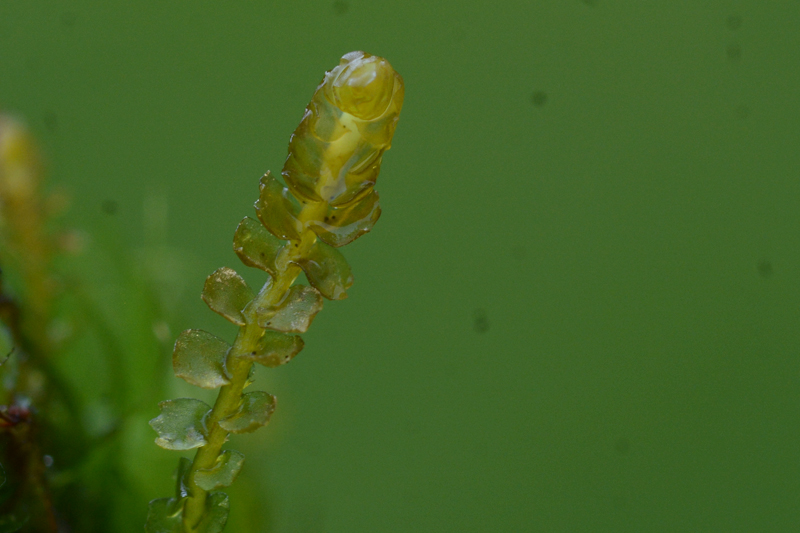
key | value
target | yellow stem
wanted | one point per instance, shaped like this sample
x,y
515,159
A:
x,y
247,339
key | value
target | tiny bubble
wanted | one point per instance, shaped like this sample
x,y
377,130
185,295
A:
x,y
480,322
539,98
161,331
48,461
110,207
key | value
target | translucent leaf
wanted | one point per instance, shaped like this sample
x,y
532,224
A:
x,y
327,270
275,349
217,509
199,358
164,516
181,491
254,411
256,246
180,426
295,313
226,293
342,225
277,209
223,473
306,152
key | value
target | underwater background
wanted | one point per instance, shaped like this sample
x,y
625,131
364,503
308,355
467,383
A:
x,y
580,310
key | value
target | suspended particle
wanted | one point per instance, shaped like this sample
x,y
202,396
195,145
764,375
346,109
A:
x,y
734,22
110,207
480,323
539,98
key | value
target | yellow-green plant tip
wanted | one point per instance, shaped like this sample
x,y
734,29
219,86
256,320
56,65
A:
x,y
256,246
224,472
227,294
278,210
275,349
294,313
181,424
327,270
254,411
199,359
335,153
343,225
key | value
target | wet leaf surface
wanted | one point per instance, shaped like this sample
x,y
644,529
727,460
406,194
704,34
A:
x,y
184,464
164,516
180,426
256,246
278,210
275,349
224,472
343,225
199,358
254,411
226,293
217,509
327,270
295,313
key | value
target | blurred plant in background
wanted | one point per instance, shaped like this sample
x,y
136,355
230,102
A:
x,y
84,340
85,334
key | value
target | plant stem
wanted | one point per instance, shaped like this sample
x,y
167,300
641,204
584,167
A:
x,y
226,404
247,339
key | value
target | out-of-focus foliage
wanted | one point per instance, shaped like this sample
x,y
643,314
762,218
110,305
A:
x,y
84,343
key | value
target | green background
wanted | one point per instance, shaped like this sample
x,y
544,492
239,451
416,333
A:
x,y
580,310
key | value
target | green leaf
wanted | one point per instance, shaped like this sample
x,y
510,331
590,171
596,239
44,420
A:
x,y
199,358
256,246
295,313
275,349
226,293
327,270
342,225
184,465
223,473
254,411
181,424
217,509
164,515
278,210
305,152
